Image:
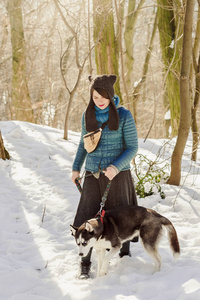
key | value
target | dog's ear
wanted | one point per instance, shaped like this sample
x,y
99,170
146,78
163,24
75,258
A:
x,y
73,230
89,227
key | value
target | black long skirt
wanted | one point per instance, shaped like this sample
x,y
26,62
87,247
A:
x,y
121,193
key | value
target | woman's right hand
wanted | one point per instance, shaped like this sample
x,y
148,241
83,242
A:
x,y
75,174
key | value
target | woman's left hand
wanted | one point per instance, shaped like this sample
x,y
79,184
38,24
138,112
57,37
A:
x,y
110,172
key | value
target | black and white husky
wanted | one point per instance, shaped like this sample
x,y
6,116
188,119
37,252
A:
x,y
121,225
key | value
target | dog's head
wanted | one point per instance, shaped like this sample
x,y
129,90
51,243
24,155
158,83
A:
x,y
86,235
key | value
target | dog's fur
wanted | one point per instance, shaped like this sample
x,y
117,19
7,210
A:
x,y
121,225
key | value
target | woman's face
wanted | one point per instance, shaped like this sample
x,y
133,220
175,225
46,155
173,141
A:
x,y
99,100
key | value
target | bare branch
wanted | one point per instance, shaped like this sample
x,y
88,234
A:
x,y
73,33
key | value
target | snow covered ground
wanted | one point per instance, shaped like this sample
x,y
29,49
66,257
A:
x,y
38,255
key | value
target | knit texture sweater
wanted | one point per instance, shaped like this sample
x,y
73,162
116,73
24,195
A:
x,y
116,147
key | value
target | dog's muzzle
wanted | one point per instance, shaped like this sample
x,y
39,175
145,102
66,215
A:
x,y
80,254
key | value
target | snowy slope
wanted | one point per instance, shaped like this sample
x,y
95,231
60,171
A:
x,y
38,255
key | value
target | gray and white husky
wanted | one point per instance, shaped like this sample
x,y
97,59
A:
x,y
121,225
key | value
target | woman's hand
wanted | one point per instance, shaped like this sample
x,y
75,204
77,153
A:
x,y
110,172
75,174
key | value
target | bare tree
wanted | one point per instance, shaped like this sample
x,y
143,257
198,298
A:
x,y
79,68
195,130
137,89
170,25
21,103
196,65
106,48
120,42
3,152
47,43
185,115
130,23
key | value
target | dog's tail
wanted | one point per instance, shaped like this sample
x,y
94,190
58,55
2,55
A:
x,y
172,235
173,239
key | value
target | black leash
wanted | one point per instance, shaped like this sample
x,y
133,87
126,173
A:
x,y
101,212
78,184
77,181
104,198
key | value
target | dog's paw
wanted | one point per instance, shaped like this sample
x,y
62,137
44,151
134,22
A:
x,y
156,269
104,269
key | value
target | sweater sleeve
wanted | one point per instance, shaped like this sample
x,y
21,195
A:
x,y
81,152
130,142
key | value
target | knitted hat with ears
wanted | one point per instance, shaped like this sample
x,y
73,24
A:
x,y
106,83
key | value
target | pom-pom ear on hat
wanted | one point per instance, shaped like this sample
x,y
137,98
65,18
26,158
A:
x,y
112,78
106,83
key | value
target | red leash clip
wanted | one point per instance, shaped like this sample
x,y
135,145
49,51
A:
x,y
102,215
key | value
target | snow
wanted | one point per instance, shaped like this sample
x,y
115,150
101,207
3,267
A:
x,y
38,256
172,44
168,115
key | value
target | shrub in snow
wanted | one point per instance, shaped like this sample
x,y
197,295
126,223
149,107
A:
x,y
149,176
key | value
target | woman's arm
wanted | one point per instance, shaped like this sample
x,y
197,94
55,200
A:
x,y
130,141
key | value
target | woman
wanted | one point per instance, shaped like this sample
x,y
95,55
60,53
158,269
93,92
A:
x,y
109,161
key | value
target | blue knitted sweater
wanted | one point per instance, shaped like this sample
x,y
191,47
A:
x,y
116,147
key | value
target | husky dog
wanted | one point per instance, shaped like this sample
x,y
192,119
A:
x,y
121,225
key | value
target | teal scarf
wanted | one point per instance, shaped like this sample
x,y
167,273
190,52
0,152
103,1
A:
x,y
102,115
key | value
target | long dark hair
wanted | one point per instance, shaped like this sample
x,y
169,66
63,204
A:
x,y
90,118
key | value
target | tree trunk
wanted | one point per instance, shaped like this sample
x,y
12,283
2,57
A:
x,y
185,112
3,152
63,68
170,27
106,50
196,67
21,104
4,37
118,11
136,92
131,19
195,130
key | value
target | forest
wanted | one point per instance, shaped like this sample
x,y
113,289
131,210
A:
x,y
49,48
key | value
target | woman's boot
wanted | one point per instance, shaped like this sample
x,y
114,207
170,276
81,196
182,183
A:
x,y
85,266
85,270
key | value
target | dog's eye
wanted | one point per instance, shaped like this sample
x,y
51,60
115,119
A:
x,y
84,243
